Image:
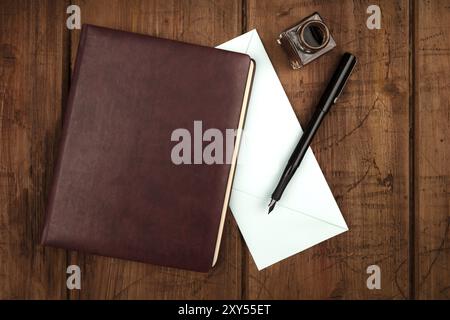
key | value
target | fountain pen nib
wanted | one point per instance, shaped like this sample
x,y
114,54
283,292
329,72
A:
x,y
272,205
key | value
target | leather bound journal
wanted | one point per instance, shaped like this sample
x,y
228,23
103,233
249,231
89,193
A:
x,y
116,190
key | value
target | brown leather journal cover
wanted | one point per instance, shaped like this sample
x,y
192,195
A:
x,y
116,191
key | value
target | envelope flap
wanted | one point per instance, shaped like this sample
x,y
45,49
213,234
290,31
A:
x,y
271,238
239,44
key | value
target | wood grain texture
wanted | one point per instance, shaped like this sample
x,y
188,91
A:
x,y
432,154
31,91
202,22
362,148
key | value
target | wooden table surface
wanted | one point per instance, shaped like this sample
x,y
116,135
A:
x,y
384,150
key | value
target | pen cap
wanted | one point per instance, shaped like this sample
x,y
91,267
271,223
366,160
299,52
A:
x,y
338,81
346,66
342,73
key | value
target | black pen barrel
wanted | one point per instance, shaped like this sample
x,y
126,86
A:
x,y
329,97
299,152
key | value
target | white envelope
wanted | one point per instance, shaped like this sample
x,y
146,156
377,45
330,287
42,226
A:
x,y
307,213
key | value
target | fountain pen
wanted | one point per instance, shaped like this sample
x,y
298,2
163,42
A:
x,y
328,99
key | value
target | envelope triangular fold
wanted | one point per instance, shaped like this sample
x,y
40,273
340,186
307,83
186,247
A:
x,y
274,237
238,44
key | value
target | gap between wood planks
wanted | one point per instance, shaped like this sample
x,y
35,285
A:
x,y
412,169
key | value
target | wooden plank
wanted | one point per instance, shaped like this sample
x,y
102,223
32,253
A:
x,y
362,149
432,149
201,22
32,43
